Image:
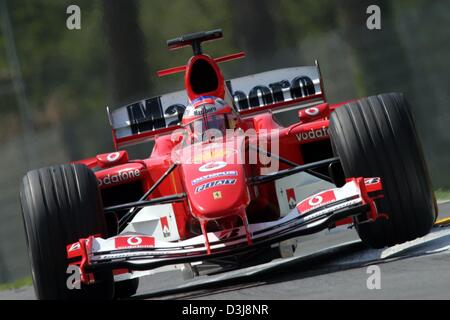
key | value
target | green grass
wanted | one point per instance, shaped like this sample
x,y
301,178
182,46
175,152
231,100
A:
x,y
16,284
442,194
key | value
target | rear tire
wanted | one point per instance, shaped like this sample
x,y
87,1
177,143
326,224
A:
x,y
60,205
376,137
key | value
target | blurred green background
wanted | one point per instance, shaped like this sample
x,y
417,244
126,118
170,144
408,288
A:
x,y
55,83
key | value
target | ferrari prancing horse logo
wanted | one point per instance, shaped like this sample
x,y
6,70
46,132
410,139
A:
x,y
165,227
292,201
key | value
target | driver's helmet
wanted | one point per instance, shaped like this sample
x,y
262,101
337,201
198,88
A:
x,y
208,116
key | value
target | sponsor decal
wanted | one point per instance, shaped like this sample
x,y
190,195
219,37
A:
x,y
369,181
113,156
315,201
152,114
217,195
214,175
313,134
191,111
74,247
322,212
215,183
134,242
309,114
212,154
204,109
165,226
211,166
261,95
312,111
119,177
373,184
292,201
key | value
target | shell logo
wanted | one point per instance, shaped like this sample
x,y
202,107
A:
x,y
212,154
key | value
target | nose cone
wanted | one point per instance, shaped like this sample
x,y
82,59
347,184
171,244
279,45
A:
x,y
216,188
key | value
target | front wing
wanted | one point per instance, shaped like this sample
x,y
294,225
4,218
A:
x,y
143,252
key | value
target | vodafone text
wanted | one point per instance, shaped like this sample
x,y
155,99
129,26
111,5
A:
x,y
119,177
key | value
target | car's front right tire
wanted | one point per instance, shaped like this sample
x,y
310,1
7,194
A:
x,y
376,137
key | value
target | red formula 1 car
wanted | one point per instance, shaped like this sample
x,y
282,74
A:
x,y
225,184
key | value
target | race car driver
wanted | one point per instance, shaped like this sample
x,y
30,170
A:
x,y
208,118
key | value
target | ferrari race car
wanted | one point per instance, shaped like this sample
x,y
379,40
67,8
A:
x,y
221,188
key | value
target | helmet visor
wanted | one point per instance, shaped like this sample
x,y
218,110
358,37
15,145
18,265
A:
x,y
208,127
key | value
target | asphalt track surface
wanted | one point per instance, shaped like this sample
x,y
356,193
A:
x,y
328,265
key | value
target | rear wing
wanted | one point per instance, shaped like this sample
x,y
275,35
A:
x,y
278,90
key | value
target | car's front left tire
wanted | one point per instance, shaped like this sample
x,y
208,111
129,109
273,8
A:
x,y
60,205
